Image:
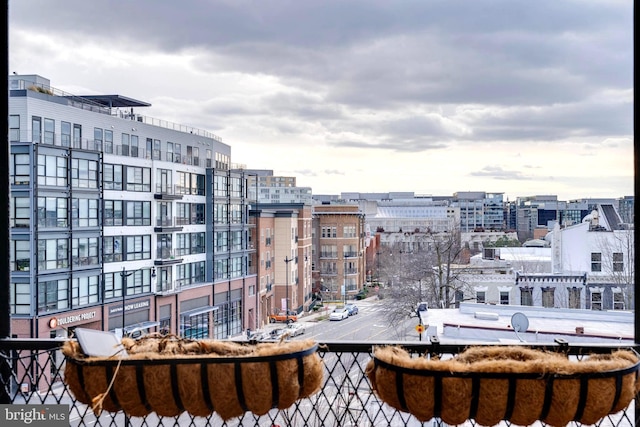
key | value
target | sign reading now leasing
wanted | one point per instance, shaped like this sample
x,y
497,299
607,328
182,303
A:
x,y
34,415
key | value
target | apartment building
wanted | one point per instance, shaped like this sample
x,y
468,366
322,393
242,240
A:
x,y
479,210
121,221
339,249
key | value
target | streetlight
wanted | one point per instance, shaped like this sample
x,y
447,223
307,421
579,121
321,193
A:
x,y
286,302
124,274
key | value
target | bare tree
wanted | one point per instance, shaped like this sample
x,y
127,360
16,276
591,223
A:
x,y
419,267
618,262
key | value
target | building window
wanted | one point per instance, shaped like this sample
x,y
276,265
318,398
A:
x,y
20,298
108,141
236,265
138,247
191,273
53,295
200,184
138,179
65,134
84,173
36,129
84,291
21,255
85,212
596,300
526,296
481,297
349,231
112,212
53,254
112,177
349,251
164,246
138,213
52,212
219,185
504,297
49,131
135,146
20,169
618,261
125,144
329,251
195,327
548,297
98,138
574,297
156,149
14,128
236,240
139,282
52,170
221,241
177,156
84,251
190,243
112,285
220,213
112,248
169,153
596,261
220,269
235,216
21,210
618,299
350,267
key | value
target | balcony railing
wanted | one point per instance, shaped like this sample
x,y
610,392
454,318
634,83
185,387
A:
x,y
36,370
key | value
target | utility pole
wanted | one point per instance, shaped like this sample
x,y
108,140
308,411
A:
x,y
286,302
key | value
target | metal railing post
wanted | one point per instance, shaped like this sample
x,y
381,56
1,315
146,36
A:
x,y
5,282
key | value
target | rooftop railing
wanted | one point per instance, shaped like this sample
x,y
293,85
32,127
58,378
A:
x,y
345,398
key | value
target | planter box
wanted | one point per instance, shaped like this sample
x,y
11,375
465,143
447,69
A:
x,y
170,376
491,384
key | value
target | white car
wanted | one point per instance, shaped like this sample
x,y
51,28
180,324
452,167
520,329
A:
x,y
294,329
339,314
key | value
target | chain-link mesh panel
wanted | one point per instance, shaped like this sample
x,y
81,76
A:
x,y
345,399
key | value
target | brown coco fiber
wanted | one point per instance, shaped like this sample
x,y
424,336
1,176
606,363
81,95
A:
x,y
492,398
142,382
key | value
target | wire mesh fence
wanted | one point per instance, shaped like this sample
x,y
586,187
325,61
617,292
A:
x,y
36,377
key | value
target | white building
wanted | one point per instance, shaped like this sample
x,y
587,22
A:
x,y
588,266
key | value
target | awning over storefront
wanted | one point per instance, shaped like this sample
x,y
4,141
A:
x,y
140,327
199,310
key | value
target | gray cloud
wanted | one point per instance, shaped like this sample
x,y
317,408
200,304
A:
x,y
496,172
397,77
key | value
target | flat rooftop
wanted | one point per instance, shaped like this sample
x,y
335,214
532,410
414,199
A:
x,y
493,323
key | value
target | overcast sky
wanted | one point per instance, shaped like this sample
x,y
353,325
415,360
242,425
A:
x,y
434,97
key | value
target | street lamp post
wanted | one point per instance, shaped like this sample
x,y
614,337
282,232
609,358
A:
x,y
124,274
286,300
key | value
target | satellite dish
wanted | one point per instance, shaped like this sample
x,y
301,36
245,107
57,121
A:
x,y
520,323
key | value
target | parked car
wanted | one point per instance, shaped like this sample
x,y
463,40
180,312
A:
x,y
360,295
282,317
294,329
275,335
339,314
422,307
352,309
